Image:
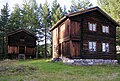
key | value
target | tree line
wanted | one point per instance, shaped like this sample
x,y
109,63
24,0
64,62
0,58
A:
x,y
39,18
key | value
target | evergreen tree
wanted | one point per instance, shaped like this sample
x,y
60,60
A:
x,y
4,21
15,19
79,4
112,7
30,19
4,18
56,12
46,23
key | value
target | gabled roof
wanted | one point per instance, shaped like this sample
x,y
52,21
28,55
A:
x,y
21,30
82,12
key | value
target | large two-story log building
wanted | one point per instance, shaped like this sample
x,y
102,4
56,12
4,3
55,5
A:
x,y
89,34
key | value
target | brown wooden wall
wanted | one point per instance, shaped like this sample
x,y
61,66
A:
x,y
74,35
55,43
74,49
15,39
21,43
98,36
61,37
15,50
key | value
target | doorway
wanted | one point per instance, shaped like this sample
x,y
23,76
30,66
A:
x,y
21,49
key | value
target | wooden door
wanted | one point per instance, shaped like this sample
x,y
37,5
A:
x,y
22,50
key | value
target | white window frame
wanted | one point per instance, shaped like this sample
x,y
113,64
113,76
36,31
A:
x,y
92,46
92,27
105,47
105,29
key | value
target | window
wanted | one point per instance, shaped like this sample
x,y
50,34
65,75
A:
x,y
105,47
105,29
92,46
92,27
22,38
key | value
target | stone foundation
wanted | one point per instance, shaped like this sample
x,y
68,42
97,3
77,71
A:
x,y
88,61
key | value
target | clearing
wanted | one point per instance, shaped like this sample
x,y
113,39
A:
x,y
44,70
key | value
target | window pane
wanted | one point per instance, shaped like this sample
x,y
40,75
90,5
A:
x,y
103,28
107,47
94,46
94,27
90,46
107,29
90,26
103,47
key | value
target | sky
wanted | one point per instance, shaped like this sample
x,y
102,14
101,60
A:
x,y
67,3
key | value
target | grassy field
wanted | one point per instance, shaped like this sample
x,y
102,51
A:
x,y
43,70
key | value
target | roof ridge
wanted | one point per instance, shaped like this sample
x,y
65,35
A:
x,y
19,30
85,11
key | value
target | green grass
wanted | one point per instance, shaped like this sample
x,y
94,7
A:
x,y
43,70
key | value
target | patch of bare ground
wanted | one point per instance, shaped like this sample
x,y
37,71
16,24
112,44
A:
x,y
10,67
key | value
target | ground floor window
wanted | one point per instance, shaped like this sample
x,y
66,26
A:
x,y
105,47
92,46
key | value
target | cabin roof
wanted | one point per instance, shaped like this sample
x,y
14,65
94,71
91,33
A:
x,y
82,12
22,30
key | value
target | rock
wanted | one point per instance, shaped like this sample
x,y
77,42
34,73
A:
x,y
88,61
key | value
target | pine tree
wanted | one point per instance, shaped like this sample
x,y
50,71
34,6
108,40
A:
x,y
79,4
46,23
112,7
30,19
4,21
56,12
15,19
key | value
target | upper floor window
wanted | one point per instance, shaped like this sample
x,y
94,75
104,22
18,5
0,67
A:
x,y
92,27
92,46
105,29
105,47
22,38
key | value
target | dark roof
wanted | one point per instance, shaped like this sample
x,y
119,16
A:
x,y
21,30
82,12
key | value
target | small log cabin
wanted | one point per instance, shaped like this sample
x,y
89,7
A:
x,y
21,42
86,34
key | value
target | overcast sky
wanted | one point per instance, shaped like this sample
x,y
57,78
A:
x,y
67,3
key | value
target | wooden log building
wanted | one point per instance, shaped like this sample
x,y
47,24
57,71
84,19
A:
x,y
86,34
21,42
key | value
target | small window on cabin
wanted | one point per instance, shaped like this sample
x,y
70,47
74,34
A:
x,y
92,46
22,39
92,27
105,29
105,47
